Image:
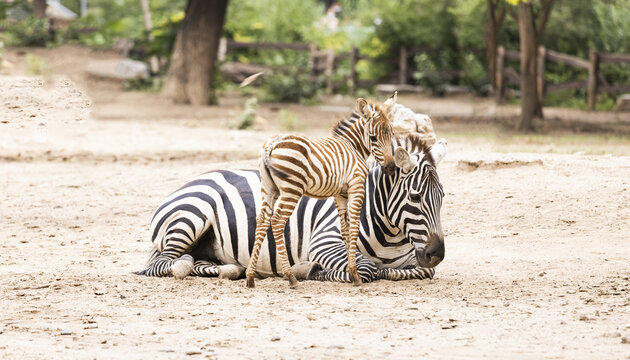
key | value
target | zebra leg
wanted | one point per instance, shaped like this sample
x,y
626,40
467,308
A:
x,y
342,208
355,202
172,259
286,205
207,268
416,273
262,224
365,267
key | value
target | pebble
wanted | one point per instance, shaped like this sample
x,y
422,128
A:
x,y
193,351
311,317
99,292
627,326
66,332
625,340
1,329
91,326
275,338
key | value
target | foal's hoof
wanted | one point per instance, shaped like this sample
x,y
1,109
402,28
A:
x,y
293,283
305,270
356,279
250,282
182,266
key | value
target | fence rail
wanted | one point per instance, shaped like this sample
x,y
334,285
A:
x,y
594,84
324,62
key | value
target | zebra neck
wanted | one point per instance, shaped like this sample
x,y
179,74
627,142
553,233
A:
x,y
353,130
378,190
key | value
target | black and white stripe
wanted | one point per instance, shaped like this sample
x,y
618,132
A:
x,y
212,219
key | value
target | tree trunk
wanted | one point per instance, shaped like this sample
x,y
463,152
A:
x,y
491,53
191,72
491,30
39,8
530,105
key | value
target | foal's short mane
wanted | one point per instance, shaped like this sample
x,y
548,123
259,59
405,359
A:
x,y
343,125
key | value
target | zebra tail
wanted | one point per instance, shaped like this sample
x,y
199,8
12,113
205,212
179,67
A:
x,y
152,257
266,154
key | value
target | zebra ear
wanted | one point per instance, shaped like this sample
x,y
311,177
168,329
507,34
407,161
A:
x,y
388,105
438,151
364,109
403,160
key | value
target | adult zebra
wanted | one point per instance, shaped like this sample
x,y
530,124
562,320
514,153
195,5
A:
x,y
207,227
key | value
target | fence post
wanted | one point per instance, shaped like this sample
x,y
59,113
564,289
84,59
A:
x,y
330,65
313,55
402,76
499,74
540,73
354,79
593,70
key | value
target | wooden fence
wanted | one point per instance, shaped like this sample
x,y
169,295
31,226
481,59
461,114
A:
x,y
594,84
324,62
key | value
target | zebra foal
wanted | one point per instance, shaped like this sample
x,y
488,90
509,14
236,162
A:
x,y
334,166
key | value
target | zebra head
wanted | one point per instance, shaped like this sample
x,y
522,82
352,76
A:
x,y
378,132
416,198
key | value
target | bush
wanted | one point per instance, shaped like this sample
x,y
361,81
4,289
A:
x,y
294,85
475,76
31,31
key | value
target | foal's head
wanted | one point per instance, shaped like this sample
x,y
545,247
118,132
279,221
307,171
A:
x,y
378,131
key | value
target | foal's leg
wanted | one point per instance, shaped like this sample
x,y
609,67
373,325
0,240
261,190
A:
x,y
342,208
356,194
286,205
262,224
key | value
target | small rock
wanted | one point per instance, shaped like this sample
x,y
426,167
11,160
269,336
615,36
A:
x,y
335,347
66,332
311,317
1,329
506,304
542,274
91,326
627,326
193,351
122,296
275,338
625,340
99,292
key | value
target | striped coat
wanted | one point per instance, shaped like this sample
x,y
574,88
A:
x,y
209,226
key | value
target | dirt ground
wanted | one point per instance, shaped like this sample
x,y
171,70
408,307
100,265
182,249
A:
x,y
537,244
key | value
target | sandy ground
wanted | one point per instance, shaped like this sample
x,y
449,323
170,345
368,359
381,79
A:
x,y
537,258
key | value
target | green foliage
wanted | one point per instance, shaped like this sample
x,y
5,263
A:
x,y
292,85
30,31
151,84
428,74
248,116
475,76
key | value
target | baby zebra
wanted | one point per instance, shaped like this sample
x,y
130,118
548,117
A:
x,y
292,166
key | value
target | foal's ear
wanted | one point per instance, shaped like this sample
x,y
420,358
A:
x,y
391,101
364,107
402,159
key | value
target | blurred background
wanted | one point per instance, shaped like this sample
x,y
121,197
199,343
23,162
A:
x,y
490,62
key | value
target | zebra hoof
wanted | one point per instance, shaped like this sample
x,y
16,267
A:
x,y
305,270
230,272
356,279
182,266
293,283
250,282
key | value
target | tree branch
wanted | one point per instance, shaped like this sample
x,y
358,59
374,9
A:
x,y
512,14
546,10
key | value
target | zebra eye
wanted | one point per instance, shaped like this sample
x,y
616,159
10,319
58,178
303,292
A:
x,y
415,197
373,137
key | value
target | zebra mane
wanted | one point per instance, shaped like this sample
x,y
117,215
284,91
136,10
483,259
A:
x,y
415,144
345,124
